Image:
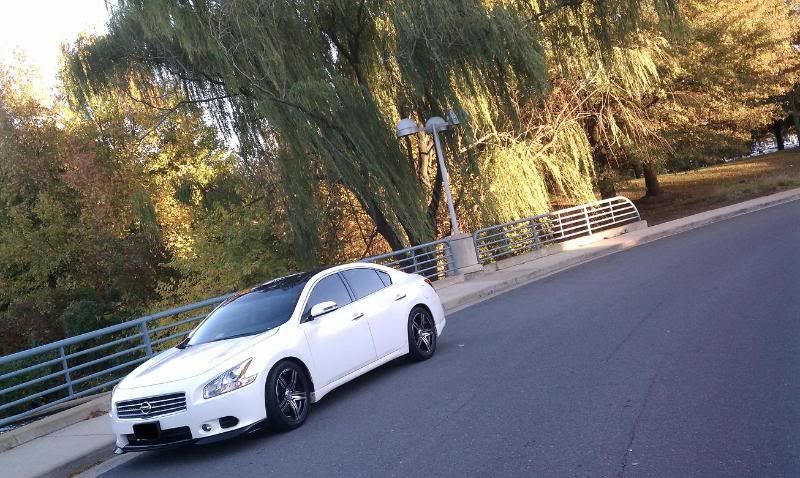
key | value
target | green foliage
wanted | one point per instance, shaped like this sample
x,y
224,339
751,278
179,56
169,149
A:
x,y
91,227
84,315
237,237
127,194
724,78
316,87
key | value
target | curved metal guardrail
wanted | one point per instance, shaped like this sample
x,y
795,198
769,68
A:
x,y
532,233
433,260
38,378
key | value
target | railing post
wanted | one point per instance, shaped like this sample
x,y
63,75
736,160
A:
x,y
638,214
148,347
476,244
504,243
450,259
586,216
613,219
535,234
65,367
560,225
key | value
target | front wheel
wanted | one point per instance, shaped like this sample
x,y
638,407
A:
x,y
287,393
421,334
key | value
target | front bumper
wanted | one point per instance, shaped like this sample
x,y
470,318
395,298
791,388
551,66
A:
x,y
167,444
198,423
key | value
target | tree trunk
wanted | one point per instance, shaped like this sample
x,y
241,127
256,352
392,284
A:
x,y
436,196
607,187
777,130
437,190
795,113
637,170
651,180
382,225
605,181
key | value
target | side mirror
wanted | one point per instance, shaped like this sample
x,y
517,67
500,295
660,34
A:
x,y
322,308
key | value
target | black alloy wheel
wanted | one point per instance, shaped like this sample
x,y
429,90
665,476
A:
x,y
421,334
287,396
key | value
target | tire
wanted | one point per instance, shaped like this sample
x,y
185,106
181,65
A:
x,y
287,396
421,334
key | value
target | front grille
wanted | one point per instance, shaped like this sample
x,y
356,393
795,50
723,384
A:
x,y
152,406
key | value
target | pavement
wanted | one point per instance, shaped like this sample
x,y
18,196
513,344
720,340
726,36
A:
x,y
59,454
676,358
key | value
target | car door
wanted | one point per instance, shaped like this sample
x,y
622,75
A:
x,y
340,341
382,306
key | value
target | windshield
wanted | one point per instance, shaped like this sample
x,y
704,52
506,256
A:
x,y
256,311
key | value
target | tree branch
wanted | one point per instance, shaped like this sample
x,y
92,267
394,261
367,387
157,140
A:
x,y
177,105
555,8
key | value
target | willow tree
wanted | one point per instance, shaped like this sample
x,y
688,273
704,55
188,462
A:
x,y
315,87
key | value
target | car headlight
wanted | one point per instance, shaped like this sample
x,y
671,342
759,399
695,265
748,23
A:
x,y
229,380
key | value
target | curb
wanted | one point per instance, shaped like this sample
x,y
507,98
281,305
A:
x,y
80,465
56,422
103,466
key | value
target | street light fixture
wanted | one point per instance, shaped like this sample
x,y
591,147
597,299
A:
x,y
407,127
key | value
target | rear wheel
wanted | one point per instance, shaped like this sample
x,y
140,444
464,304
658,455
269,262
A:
x,y
287,394
421,334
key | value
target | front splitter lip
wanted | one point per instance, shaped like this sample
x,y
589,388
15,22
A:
x,y
194,441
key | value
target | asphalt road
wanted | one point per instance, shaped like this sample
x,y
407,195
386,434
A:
x,y
677,358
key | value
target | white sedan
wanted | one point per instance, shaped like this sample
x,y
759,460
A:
x,y
264,355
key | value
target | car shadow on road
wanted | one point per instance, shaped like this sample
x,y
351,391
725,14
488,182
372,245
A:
x,y
194,455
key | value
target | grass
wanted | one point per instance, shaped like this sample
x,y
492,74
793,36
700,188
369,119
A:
x,y
684,194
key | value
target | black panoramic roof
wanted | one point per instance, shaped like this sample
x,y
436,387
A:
x,y
286,282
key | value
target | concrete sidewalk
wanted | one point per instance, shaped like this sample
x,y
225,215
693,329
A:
x,y
60,453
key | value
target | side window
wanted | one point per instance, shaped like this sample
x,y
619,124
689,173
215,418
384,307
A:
x,y
387,281
363,281
330,288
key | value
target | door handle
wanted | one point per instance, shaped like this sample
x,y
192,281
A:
x,y
400,297
358,315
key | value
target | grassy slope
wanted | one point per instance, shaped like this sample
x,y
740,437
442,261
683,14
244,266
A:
x,y
716,186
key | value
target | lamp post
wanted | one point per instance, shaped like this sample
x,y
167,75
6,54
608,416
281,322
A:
x,y
407,127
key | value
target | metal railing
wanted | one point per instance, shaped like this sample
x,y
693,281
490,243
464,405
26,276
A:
x,y
433,260
532,233
38,378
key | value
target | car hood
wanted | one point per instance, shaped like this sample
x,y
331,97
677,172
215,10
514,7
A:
x,y
179,364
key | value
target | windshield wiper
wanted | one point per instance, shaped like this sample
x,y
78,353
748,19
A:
x,y
184,344
237,336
